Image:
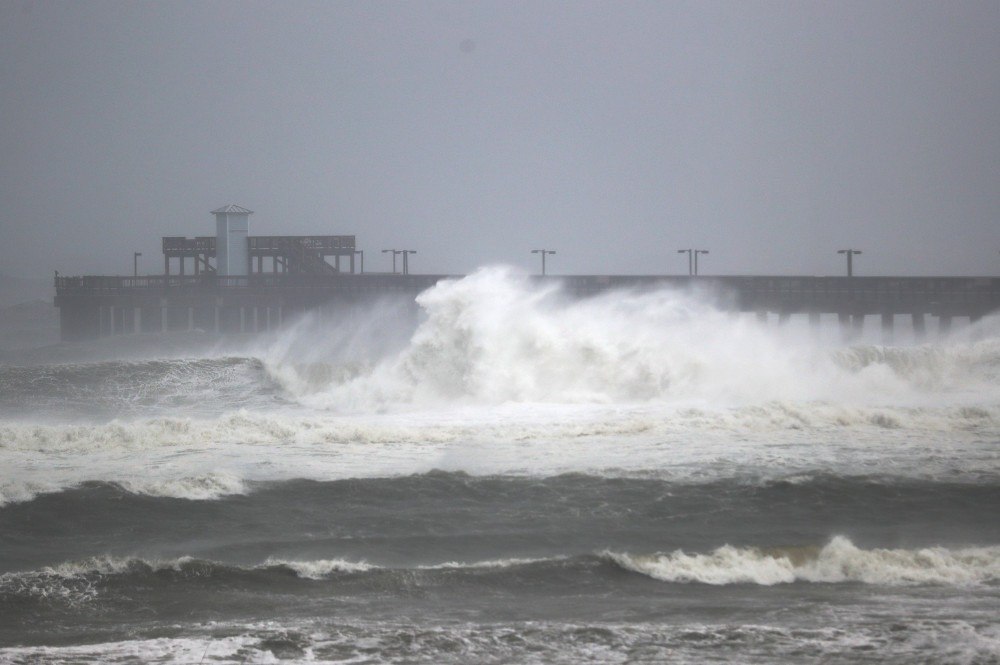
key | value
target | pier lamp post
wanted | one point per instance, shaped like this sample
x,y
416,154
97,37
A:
x,y
690,264
406,262
692,258
696,253
543,252
362,253
394,253
850,259
135,263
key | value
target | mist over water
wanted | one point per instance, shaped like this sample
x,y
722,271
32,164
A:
x,y
609,474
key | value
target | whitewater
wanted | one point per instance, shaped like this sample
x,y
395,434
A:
x,y
500,472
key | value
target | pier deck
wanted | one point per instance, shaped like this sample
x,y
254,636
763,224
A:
x,y
99,306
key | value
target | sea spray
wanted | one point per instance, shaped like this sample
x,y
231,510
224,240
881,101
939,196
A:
x,y
496,337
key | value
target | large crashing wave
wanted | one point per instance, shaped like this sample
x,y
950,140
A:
x,y
496,337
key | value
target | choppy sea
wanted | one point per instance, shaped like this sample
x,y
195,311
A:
x,y
502,474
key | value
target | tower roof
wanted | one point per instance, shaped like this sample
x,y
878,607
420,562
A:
x,y
232,208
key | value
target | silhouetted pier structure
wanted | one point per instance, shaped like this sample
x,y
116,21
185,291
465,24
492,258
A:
x,y
244,283
98,306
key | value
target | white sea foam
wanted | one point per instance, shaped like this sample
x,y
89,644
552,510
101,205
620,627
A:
x,y
211,458
176,651
838,561
112,565
321,568
490,563
853,639
49,578
209,486
494,337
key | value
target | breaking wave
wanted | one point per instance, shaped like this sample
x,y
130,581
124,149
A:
x,y
495,337
838,561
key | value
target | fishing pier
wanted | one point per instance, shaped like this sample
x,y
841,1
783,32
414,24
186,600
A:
x,y
237,283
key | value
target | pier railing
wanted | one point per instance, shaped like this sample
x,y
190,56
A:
x,y
97,285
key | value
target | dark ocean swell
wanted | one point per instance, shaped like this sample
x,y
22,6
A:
x,y
107,595
429,518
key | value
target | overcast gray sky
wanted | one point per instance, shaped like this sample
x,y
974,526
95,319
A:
x,y
770,133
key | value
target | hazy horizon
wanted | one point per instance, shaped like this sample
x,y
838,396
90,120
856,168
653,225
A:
x,y
771,134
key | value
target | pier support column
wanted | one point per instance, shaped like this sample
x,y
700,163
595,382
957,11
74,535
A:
x,y
888,322
814,326
944,324
136,320
783,318
858,325
111,320
256,319
243,319
762,316
845,324
919,326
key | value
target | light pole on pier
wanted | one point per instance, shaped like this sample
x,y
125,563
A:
x,y
135,263
406,262
690,263
850,259
692,258
696,253
394,253
362,253
543,252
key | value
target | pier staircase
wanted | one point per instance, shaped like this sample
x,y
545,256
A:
x,y
300,258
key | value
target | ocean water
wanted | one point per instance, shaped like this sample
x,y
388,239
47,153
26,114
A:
x,y
501,474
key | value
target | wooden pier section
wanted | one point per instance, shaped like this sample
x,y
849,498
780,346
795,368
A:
x,y
101,306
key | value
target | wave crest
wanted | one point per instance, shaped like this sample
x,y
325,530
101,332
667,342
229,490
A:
x,y
839,561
